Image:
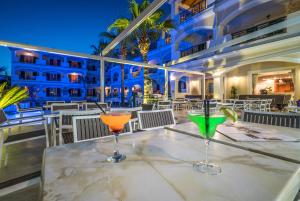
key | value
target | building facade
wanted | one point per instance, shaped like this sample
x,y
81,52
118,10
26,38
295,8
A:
x,y
51,77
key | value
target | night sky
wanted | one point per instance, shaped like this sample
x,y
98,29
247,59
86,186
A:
x,y
64,24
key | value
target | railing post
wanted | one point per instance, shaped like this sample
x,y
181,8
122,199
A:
x,y
102,80
166,83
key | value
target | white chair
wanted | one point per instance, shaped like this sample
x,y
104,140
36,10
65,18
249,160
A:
x,y
65,123
161,105
268,105
64,106
91,127
154,119
94,106
14,139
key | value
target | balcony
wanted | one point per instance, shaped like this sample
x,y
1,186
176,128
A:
x,y
259,27
193,49
193,10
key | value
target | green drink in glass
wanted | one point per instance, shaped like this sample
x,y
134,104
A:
x,y
207,125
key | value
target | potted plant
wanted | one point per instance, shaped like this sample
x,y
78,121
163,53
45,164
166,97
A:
x,y
233,92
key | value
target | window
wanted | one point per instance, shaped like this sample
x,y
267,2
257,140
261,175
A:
x,y
75,64
91,80
92,92
182,85
75,92
74,78
53,92
115,92
54,62
27,75
116,77
53,77
91,68
28,59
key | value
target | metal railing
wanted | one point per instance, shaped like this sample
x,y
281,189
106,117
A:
x,y
195,9
193,49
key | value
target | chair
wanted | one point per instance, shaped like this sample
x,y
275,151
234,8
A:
x,y
14,139
91,127
65,123
268,105
54,102
161,105
147,106
263,105
156,119
291,120
238,104
195,104
64,106
93,106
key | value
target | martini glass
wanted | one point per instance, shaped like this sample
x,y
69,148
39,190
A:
x,y
207,129
116,122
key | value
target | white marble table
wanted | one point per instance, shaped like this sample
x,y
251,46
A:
x,y
286,149
159,168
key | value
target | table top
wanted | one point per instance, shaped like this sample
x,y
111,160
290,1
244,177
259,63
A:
x,y
159,167
286,149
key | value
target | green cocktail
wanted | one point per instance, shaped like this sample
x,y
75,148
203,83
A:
x,y
207,128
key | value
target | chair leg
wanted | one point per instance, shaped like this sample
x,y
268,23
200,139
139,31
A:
x,y
1,145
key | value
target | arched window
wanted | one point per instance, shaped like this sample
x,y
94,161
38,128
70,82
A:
x,y
116,77
182,85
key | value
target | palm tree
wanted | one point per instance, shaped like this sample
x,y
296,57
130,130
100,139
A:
x,y
100,47
148,31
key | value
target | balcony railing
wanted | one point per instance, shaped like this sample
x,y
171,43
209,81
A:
x,y
257,28
193,49
195,9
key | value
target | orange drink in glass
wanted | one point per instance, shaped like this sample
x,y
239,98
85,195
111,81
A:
x,y
116,122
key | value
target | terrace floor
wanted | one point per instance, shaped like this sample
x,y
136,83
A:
x,y
25,159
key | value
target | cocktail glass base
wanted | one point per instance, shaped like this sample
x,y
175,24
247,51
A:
x,y
208,168
116,158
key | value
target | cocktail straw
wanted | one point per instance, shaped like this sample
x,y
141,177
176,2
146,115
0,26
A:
x,y
100,107
206,114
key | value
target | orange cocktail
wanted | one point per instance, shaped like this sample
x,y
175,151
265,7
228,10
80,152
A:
x,y
116,122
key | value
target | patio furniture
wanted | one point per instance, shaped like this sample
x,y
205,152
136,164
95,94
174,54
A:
x,y
272,118
195,104
279,100
94,106
179,104
161,155
22,111
14,139
161,105
64,106
65,123
147,106
91,127
156,119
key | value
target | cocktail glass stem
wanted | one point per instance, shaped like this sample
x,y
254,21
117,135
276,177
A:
x,y
116,157
206,151
116,149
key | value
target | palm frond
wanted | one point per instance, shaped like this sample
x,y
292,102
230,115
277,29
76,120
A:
x,y
13,95
134,9
108,35
119,24
143,5
2,87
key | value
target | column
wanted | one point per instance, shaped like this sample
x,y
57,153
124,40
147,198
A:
x,y
203,87
102,80
166,84
218,85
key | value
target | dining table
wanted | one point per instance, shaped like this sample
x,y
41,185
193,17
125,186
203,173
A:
x,y
159,166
